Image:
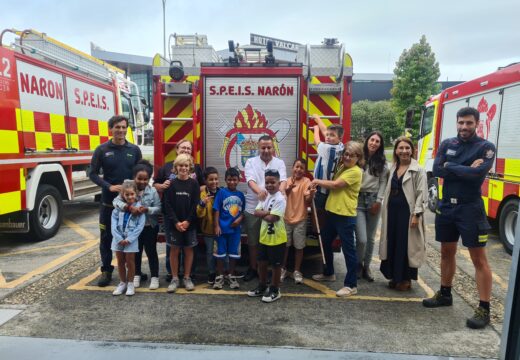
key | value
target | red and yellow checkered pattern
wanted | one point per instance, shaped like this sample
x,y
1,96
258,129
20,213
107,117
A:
x,y
12,196
86,134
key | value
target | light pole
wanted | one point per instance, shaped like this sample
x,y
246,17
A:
x,y
164,26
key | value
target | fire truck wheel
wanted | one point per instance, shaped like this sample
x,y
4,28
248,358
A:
x,y
507,224
45,219
433,194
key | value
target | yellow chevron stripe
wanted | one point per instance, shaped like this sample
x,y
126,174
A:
x,y
171,129
170,156
332,101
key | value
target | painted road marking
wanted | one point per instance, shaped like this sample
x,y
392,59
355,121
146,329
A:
x,y
43,249
90,242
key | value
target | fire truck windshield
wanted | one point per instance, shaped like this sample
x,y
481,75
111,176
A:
x,y
427,121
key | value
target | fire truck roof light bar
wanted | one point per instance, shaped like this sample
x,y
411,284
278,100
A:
x,y
64,62
251,65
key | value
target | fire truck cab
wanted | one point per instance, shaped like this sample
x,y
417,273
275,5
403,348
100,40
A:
x,y
497,97
55,103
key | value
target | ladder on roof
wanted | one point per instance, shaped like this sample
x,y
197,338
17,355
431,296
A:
x,y
42,47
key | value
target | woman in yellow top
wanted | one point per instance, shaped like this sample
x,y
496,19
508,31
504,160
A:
x,y
341,216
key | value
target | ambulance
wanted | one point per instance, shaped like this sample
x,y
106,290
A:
x,y
224,105
497,98
55,103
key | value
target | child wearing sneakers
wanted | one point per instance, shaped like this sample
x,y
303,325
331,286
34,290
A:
x,y
126,228
151,208
229,209
180,204
206,219
298,197
273,238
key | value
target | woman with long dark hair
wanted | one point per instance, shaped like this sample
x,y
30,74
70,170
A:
x,y
375,176
402,246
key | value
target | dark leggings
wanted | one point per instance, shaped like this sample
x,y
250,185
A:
x,y
148,241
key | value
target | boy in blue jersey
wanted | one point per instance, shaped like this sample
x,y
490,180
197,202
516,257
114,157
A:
x,y
328,154
228,209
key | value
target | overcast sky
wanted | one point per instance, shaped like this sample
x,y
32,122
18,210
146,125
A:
x,y
469,37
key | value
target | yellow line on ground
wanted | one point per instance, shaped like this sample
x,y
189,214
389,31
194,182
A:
x,y
2,278
426,288
496,278
85,223
87,235
49,265
41,249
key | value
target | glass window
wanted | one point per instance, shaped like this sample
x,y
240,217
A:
x,y
427,121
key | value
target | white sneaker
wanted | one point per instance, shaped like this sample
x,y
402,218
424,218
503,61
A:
x,y
130,289
137,281
154,283
174,284
219,282
121,288
283,275
188,284
346,292
298,277
233,283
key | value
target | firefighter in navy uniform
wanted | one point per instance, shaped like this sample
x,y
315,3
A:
x,y
463,162
116,157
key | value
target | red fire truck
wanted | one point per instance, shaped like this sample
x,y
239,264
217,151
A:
x,y
497,98
225,105
55,102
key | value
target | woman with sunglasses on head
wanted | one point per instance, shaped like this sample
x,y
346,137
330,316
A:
x,y
402,246
341,216
375,177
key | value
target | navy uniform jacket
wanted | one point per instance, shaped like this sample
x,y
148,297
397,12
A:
x,y
117,163
453,164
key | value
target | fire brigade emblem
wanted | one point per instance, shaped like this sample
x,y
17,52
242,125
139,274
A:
x,y
241,141
490,111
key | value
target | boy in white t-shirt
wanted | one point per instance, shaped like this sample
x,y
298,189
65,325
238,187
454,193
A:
x,y
273,238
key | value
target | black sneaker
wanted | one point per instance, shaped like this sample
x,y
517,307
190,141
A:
x,y
479,320
272,295
260,290
211,278
250,275
105,279
438,300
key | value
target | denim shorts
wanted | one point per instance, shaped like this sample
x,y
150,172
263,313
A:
x,y
187,238
228,245
131,248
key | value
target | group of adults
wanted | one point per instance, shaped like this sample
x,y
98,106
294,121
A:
x,y
364,192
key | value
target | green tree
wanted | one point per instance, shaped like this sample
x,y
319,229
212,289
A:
x,y
416,75
368,116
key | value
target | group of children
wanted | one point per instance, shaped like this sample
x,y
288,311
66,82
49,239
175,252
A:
x,y
218,212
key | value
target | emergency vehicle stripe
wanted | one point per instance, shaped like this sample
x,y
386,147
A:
x,y
11,196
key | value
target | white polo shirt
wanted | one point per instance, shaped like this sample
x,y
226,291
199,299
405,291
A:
x,y
255,170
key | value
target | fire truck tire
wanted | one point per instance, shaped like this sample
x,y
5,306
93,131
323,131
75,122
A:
x,y
433,193
45,219
507,224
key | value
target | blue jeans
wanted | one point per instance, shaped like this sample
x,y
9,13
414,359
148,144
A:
x,y
344,226
210,260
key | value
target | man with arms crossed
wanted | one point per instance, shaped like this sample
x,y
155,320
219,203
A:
x,y
463,163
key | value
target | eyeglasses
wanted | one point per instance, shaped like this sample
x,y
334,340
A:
x,y
348,155
185,148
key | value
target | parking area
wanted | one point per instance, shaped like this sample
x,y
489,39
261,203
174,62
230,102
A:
x,y
53,283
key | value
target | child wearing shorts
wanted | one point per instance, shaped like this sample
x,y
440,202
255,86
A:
x,y
298,197
180,204
126,228
228,209
273,238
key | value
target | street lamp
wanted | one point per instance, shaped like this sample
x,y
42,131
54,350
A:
x,y
164,26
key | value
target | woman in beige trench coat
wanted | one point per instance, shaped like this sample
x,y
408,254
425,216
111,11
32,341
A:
x,y
402,243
